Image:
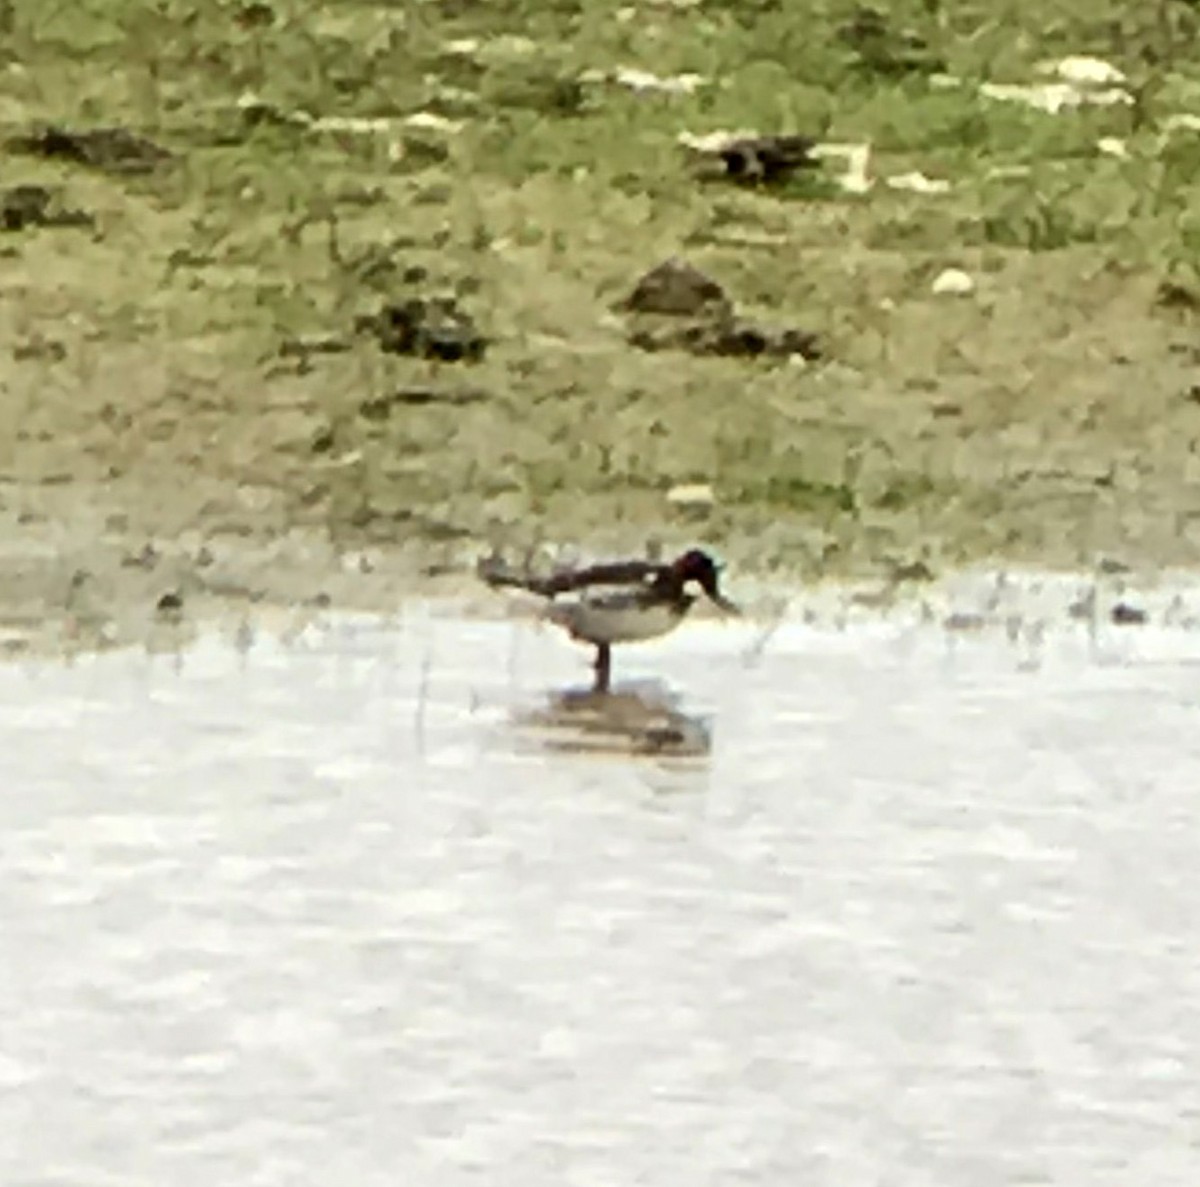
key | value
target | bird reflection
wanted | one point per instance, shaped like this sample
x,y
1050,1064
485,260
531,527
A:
x,y
641,719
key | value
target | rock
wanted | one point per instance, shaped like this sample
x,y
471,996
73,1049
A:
x,y
112,150
765,159
643,82
1055,97
753,159
1083,70
675,288
429,328
918,183
1125,615
728,337
24,206
677,307
1174,294
692,496
953,282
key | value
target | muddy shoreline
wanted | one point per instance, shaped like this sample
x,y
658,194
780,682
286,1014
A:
x,y
81,575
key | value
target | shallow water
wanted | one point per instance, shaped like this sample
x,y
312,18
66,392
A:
x,y
322,912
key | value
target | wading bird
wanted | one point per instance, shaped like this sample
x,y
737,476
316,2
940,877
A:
x,y
619,602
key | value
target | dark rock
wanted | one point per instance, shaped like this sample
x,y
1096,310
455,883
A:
x,y
766,159
727,337
677,307
24,206
170,603
112,150
1125,615
675,288
429,328
1173,294
756,160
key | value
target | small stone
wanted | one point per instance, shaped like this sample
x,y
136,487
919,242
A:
x,y
1083,70
692,495
170,603
953,282
1125,615
918,183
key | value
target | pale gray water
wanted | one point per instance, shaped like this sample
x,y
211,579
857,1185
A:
x,y
930,914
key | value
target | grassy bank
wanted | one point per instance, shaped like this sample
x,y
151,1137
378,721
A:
x,y
192,354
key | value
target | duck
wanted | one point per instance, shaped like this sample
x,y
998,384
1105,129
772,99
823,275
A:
x,y
619,601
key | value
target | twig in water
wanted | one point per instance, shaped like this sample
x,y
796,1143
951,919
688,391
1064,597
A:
x,y
754,652
422,698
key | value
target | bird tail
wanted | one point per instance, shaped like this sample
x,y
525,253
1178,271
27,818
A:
x,y
497,573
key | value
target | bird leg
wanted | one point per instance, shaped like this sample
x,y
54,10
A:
x,y
603,667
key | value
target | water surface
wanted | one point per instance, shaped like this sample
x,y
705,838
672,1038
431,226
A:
x,y
320,912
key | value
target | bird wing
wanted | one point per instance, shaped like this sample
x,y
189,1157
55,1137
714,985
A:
x,y
619,574
624,574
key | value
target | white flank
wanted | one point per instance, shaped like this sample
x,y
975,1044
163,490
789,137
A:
x,y
614,620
